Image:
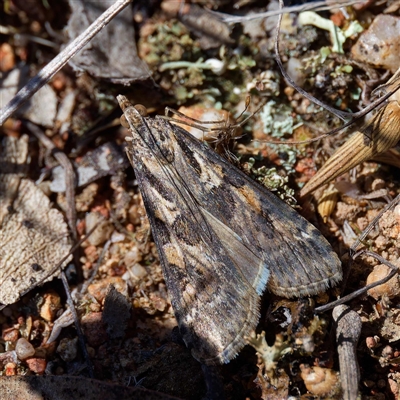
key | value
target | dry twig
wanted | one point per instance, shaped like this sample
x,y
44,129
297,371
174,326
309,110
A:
x,y
61,59
348,330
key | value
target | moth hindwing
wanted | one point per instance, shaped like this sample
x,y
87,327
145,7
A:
x,y
222,238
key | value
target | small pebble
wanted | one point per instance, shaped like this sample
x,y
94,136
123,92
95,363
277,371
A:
x,y
10,335
91,253
372,342
36,365
10,369
362,223
158,302
103,231
99,290
24,349
381,242
319,381
7,57
117,237
139,271
95,307
390,289
295,69
59,81
134,214
387,352
68,349
132,257
380,44
52,303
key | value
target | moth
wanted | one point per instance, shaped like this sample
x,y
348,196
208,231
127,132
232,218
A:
x,y
221,237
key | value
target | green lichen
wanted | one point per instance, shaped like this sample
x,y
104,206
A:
x,y
342,69
170,41
278,120
338,36
274,182
270,355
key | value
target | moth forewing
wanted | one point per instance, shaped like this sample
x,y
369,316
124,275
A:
x,y
221,237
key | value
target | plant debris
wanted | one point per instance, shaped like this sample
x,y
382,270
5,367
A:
x,y
102,57
33,235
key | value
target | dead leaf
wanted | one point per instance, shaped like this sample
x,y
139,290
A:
x,y
33,235
112,53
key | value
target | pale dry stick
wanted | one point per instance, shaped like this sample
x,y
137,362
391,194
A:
x,y
367,230
61,59
65,162
315,6
348,329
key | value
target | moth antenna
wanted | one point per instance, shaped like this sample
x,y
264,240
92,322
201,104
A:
x,y
246,106
241,123
196,121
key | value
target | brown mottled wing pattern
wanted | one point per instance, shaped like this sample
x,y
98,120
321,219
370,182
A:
x,y
222,238
300,260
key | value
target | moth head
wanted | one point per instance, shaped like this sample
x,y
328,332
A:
x,y
142,110
129,109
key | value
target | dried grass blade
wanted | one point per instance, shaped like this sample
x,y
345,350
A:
x,y
380,135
